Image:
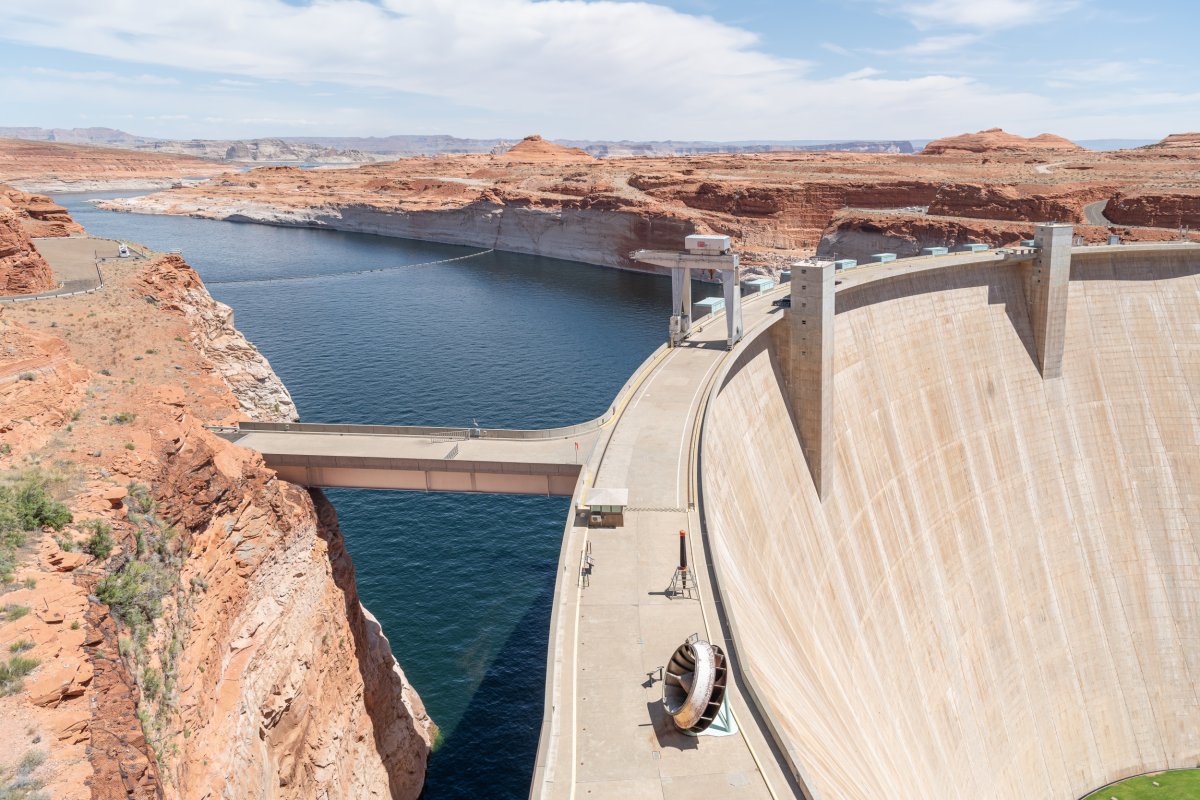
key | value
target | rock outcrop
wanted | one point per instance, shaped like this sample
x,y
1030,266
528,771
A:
x,y
1176,141
535,148
1016,203
257,388
291,689
22,268
39,215
994,140
1168,209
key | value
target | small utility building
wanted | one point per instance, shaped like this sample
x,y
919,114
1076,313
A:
x,y
606,507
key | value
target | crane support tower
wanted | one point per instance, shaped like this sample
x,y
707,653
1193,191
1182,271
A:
x,y
707,253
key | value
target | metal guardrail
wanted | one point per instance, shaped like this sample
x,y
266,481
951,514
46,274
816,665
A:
x,y
452,434
29,298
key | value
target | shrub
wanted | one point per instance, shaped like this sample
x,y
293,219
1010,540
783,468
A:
x,y
27,376
13,612
23,785
30,761
26,505
20,646
134,595
151,683
123,418
100,543
139,493
12,671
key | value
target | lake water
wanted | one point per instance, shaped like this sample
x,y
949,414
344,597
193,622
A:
x,y
462,584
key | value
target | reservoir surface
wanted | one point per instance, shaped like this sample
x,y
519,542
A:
x,y
462,584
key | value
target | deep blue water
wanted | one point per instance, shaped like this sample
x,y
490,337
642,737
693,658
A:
x,y
462,584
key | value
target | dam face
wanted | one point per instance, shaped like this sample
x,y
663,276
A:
x,y
1000,594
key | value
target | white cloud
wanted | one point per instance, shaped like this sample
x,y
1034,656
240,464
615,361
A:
x,y
1097,72
836,49
982,14
592,68
938,45
100,76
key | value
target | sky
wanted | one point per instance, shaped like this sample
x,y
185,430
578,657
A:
x,y
729,70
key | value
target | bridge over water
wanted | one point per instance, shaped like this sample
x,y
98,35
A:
x,y
545,462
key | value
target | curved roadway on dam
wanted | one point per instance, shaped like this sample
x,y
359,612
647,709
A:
x,y
999,595
604,733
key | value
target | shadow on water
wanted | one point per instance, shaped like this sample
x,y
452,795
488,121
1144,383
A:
x,y
500,733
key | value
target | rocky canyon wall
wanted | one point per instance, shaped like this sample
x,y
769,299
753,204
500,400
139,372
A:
x,y
22,268
579,232
243,664
1015,203
1165,209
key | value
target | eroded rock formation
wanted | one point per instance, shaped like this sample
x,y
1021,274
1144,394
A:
x,y
1016,203
22,268
262,675
535,148
995,140
1158,208
1177,141
39,215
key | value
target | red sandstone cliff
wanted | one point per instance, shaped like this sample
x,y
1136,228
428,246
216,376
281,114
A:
x,y
22,268
1166,209
1176,141
39,215
259,674
1015,203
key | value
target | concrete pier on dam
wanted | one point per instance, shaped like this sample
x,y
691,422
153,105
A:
x,y
943,514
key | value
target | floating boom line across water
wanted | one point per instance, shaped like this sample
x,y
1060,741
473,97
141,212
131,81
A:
x,y
284,278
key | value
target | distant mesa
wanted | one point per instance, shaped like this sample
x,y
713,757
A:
x,y
535,148
1176,141
997,140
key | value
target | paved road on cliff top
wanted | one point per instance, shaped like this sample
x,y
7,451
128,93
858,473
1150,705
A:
x,y
1094,214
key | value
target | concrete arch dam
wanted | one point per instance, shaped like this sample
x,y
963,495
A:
x,y
996,593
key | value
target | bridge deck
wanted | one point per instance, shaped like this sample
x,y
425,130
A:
x,y
451,462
